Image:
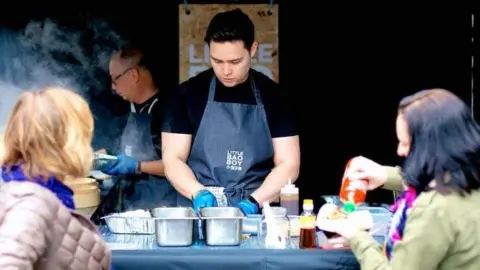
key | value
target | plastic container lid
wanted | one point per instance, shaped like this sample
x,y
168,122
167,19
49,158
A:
x,y
289,189
349,207
308,204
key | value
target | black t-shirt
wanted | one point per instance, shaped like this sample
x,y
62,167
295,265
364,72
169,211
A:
x,y
157,113
185,108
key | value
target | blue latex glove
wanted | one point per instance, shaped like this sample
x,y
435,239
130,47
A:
x,y
247,207
204,199
123,165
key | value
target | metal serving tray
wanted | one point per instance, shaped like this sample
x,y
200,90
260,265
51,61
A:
x,y
129,225
223,225
174,226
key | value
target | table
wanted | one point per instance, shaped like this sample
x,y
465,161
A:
x,y
241,259
141,252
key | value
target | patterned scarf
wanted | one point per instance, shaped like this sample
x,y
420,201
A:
x,y
63,192
399,219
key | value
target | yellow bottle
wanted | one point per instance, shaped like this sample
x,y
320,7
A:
x,y
308,235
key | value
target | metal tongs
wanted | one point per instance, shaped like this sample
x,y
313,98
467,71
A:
x,y
100,159
100,156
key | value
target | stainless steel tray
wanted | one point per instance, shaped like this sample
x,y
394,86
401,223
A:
x,y
174,226
251,223
223,225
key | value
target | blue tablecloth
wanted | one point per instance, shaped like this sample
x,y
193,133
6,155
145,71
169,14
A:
x,y
142,252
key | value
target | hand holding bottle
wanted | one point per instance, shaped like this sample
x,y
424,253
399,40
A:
x,y
364,169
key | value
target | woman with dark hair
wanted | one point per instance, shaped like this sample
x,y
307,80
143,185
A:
x,y
436,220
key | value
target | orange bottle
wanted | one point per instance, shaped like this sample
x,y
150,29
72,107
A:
x,y
353,193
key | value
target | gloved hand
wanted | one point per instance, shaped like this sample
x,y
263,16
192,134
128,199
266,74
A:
x,y
204,198
100,163
121,166
247,207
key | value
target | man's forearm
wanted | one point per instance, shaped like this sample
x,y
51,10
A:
x,y
274,182
182,177
153,167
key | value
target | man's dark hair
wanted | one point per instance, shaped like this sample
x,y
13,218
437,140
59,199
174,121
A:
x,y
132,54
230,26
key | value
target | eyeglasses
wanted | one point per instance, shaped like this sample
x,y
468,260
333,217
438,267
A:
x,y
116,78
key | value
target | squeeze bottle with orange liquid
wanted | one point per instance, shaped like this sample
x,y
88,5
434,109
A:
x,y
352,193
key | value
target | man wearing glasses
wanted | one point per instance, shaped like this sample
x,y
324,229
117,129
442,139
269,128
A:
x,y
139,156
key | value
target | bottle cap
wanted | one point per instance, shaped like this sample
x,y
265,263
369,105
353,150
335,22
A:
x,y
289,188
308,204
349,207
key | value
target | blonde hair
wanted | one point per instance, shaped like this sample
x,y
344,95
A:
x,y
2,148
49,133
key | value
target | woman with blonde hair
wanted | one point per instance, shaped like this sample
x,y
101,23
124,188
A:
x,y
47,137
436,220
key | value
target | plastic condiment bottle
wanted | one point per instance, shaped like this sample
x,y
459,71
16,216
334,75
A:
x,y
352,193
289,199
308,234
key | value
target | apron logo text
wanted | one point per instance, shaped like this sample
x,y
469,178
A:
x,y
128,150
234,160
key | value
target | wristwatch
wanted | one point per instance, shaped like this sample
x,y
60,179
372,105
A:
x,y
254,201
196,193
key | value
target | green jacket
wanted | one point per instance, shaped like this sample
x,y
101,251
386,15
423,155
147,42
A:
x,y
442,232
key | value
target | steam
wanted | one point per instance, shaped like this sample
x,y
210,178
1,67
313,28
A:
x,y
48,54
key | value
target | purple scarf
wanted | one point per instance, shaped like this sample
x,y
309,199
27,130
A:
x,y
63,192
399,219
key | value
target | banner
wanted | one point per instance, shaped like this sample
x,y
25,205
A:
x,y
194,53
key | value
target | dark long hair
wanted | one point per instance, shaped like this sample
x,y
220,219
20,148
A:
x,y
445,143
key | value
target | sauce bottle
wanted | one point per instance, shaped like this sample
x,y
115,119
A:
x,y
289,199
352,193
308,234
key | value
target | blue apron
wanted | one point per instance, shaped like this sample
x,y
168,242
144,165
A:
x,y
232,150
143,191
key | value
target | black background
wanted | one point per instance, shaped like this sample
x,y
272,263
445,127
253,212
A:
x,y
346,70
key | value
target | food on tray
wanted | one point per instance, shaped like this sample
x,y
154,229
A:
x,y
331,216
331,211
338,214
136,213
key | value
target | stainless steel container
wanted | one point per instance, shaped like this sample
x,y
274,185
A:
x,y
223,225
174,226
251,223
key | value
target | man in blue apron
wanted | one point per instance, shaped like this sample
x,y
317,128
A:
x,y
229,137
144,185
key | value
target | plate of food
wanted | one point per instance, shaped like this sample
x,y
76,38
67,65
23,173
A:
x,y
331,216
